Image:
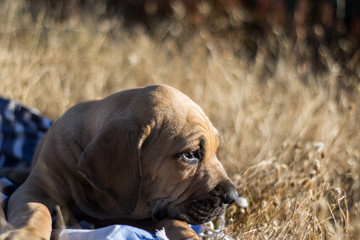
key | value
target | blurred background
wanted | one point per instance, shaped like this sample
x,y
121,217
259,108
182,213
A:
x,y
317,33
335,23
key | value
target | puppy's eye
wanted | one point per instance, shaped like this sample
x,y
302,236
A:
x,y
190,157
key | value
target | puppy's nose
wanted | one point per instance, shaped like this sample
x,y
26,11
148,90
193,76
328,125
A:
x,y
230,196
226,191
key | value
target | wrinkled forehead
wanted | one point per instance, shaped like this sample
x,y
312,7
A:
x,y
195,124
175,112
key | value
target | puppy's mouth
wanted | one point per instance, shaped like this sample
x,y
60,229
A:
x,y
202,211
192,211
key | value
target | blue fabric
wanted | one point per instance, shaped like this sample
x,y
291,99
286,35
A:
x,y
6,189
21,130
114,232
109,233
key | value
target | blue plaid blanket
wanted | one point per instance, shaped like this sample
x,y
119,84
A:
x,y
21,130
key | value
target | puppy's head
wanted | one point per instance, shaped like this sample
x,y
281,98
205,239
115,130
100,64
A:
x,y
182,176
167,159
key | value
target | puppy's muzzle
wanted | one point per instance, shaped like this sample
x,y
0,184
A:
x,y
201,210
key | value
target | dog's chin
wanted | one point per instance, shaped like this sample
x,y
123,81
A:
x,y
192,212
199,216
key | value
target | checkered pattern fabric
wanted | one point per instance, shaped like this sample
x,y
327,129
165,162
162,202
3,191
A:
x,y
21,129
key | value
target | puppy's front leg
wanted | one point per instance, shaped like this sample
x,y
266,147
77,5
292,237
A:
x,y
29,215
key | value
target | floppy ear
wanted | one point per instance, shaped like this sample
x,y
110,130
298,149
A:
x,y
111,161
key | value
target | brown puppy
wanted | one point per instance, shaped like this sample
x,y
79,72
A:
x,y
145,157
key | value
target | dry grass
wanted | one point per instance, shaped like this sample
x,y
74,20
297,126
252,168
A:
x,y
272,114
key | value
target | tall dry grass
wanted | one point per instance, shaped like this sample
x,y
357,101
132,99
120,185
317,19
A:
x,y
290,136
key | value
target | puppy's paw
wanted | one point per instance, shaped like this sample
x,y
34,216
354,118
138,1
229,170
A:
x,y
19,235
177,230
